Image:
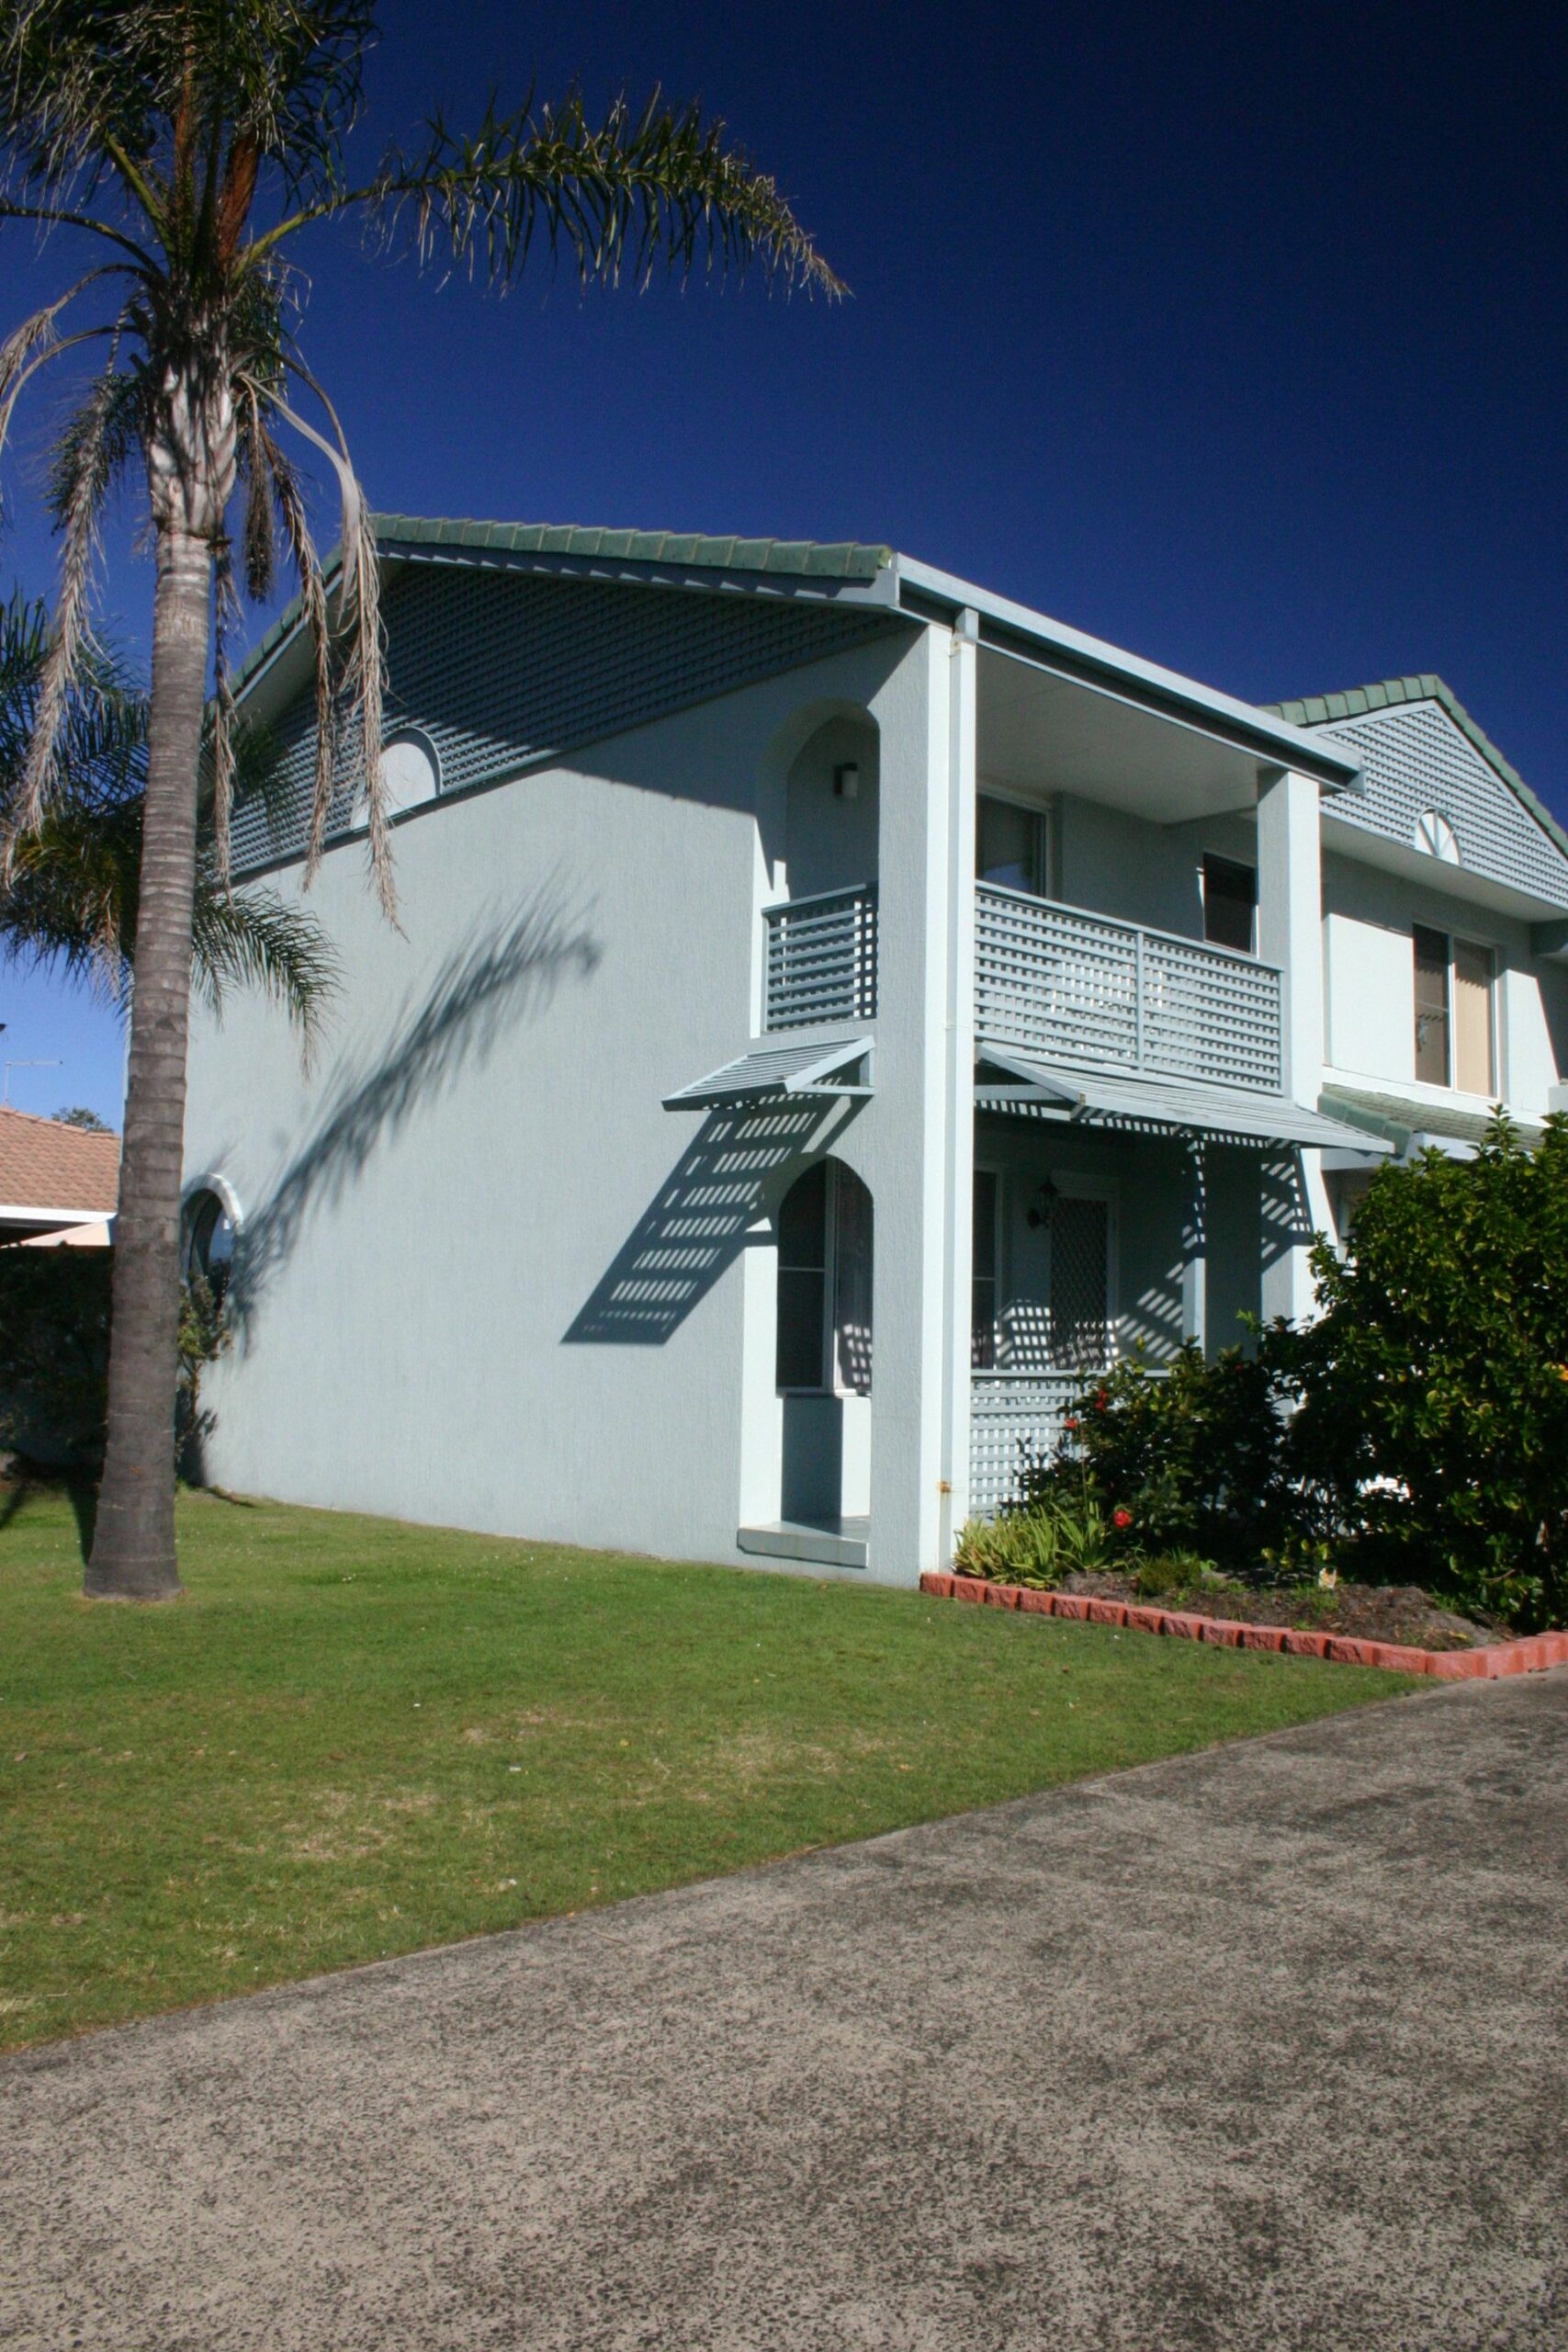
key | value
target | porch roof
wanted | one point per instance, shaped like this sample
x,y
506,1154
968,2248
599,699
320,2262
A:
x,y
1097,1098
772,1072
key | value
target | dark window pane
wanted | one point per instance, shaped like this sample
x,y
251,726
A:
x,y
799,1363
1007,846
1431,1006
1230,894
983,1272
803,1220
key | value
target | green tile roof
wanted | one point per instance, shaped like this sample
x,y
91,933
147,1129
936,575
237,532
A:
x,y
845,559
793,558
1357,702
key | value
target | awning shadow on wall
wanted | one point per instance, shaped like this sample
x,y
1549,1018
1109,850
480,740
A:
x,y
481,993
696,1224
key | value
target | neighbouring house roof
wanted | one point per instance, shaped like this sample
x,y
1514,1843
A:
x,y
52,1176
1404,1122
1389,694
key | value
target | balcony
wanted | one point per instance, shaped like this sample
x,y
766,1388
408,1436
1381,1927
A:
x,y
1060,985
821,964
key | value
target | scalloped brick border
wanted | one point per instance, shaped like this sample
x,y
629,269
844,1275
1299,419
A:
x,y
1531,1655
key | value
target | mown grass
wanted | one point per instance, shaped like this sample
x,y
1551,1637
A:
x,y
354,1737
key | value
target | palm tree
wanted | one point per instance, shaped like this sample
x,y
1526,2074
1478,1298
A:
x,y
186,143
71,899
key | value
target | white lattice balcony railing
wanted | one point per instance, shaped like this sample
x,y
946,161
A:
x,y
1063,985
821,959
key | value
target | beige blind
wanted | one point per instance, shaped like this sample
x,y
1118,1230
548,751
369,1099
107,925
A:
x,y
1473,1068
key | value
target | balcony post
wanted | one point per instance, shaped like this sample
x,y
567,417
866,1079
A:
x,y
1195,1248
959,1022
1290,933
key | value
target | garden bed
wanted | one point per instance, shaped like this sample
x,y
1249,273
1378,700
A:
x,y
1488,1660
1371,1612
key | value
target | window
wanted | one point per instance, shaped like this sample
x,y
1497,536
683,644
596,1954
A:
x,y
1230,897
1453,1012
1010,846
983,1273
824,1283
210,1237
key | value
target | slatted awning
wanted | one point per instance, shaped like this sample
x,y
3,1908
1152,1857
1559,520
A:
x,y
1028,1088
782,1073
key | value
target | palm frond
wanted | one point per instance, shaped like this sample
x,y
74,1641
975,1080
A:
x,y
619,196
253,938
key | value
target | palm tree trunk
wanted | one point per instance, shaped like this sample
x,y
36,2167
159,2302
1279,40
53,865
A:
x,y
133,1541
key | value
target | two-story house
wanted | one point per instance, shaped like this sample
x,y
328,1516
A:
x,y
832,1010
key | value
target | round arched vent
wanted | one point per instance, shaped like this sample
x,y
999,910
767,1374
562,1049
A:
x,y
410,769
1437,838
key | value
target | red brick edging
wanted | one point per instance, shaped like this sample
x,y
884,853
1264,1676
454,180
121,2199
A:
x,y
1529,1656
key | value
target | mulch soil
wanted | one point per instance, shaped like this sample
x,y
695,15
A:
x,y
1375,1612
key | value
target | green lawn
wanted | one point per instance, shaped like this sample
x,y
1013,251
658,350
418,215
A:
x,y
356,1737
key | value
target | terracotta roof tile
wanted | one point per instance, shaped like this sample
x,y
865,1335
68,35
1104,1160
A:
x,y
46,1165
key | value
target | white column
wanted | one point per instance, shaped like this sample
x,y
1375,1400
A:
x,y
1290,933
907,1160
960,1032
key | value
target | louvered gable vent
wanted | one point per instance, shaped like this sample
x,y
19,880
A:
x,y
498,668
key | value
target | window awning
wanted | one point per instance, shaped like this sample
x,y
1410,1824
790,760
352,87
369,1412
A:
x,y
1102,1099
778,1073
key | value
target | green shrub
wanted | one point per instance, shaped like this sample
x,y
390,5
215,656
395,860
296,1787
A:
x,y
1198,1459
1435,1387
55,1353
1036,1546
1415,1432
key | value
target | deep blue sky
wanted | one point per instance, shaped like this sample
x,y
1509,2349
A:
x,y
1234,335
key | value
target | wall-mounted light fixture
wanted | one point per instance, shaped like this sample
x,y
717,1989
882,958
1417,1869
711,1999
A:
x,y
846,780
1044,1201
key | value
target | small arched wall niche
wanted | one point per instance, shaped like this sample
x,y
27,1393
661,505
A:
x,y
831,800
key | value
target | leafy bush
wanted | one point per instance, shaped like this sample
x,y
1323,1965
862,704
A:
x,y
55,1354
1197,1459
1435,1386
1036,1546
1417,1429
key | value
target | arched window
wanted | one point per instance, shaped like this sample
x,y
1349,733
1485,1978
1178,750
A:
x,y
210,1236
824,1297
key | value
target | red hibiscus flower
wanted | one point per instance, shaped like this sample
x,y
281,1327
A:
x,y
1122,1516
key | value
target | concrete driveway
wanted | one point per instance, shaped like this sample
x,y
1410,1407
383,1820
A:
x,y
1267,2048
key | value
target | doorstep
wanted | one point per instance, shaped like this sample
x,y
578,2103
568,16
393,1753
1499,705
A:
x,y
826,1543
1531,1655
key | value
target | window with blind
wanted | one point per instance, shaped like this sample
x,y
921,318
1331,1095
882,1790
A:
x,y
1454,1028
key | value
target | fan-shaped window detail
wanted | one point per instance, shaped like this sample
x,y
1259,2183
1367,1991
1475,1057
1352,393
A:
x,y
410,769
1437,837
